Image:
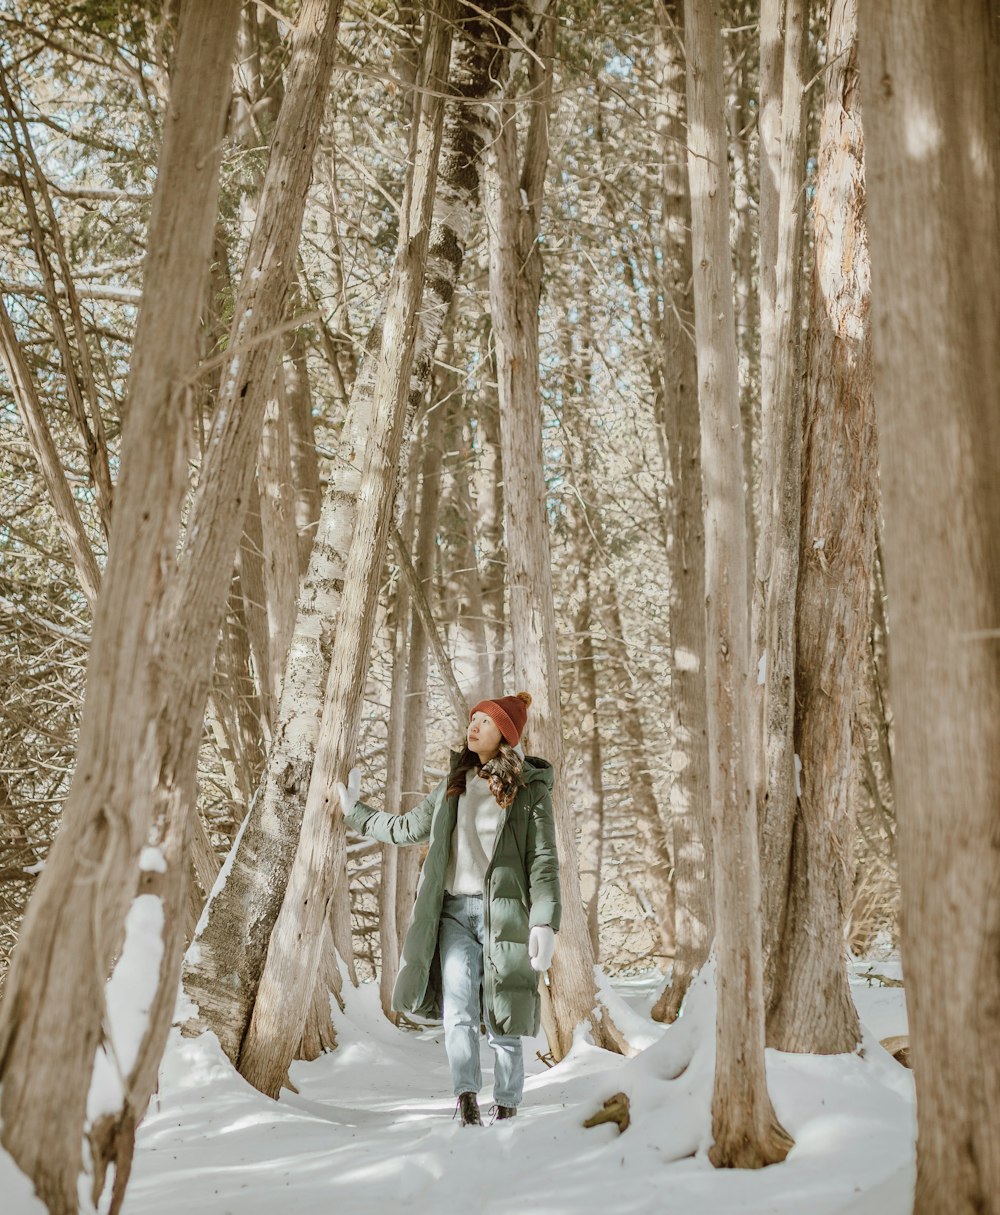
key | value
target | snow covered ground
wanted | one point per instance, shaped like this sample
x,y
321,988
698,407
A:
x,y
371,1127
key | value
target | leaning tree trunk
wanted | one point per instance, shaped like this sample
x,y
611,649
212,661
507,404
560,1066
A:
x,y
43,447
293,953
810,1007
744,1126
195,594
691,833
514,210
931,77
54,1006
221,975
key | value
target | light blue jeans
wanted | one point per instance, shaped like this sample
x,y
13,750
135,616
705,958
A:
x,y
460,940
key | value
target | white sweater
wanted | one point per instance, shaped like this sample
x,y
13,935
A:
x,y
473,838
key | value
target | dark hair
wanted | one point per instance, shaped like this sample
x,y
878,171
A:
x,y
503,772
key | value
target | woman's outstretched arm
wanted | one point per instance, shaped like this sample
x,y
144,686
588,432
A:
x,y
414,827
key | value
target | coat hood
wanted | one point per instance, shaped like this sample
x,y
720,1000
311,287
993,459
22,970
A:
x,y
537,770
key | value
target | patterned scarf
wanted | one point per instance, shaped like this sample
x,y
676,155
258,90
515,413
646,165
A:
x,y
503,773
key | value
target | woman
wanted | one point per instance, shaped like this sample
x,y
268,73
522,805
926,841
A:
x,y
487,907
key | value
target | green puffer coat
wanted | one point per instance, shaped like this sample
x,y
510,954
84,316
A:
x,y
521,890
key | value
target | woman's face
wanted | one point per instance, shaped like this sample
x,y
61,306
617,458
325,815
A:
x,y
483,736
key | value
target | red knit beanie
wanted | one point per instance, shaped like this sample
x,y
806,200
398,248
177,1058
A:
x,y
509,713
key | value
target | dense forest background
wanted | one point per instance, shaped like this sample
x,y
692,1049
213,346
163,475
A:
x,y
361,361
92,81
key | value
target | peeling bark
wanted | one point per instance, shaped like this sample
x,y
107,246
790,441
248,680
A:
x,y
810,1005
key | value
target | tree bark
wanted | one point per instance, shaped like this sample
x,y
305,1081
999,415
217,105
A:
x,y
810,1005
776,574
514,211
744,1126
769,143
302,444
293,951
591,808
390,939
931,81
51,1019
690,828
422,639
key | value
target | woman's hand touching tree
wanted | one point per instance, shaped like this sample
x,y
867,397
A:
x,y
347,795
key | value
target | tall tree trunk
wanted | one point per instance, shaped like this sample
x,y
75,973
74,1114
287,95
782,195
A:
x,y
514,209
931,79
776,575
52,1014
222,975
489,528
744,1126
390,939
464,603
417,698
294,948
810,1005
302,446
771,73
279,534
591,809
691,831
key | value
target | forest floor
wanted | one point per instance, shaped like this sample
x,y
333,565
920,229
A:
x,y
371,1128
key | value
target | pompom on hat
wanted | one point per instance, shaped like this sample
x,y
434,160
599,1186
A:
x,y
508,712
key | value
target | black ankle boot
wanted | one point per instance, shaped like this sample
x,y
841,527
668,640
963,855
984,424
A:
x,y
468,1107
501,1112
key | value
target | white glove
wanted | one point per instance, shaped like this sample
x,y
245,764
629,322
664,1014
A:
x,y
348,797
541,946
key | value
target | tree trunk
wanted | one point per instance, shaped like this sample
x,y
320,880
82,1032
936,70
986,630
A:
x,y
744,1126
222,974
51,1019
931,78
390,939
170,712
776,575
591,808
464,604
279,533
302,447
417,699
692,855
293,951
810,1005
771,73
489,514
514,209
